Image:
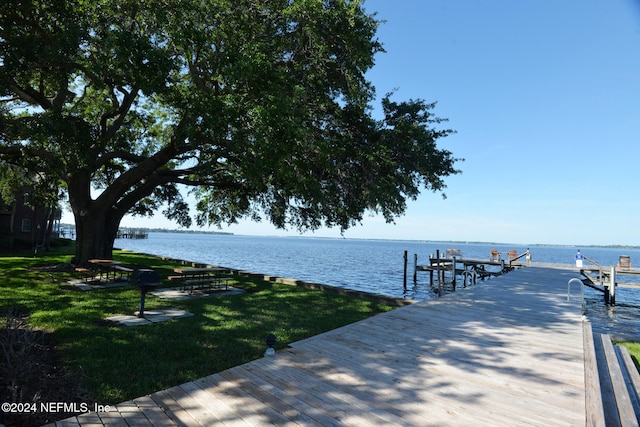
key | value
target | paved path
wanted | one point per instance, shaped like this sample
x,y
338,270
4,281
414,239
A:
x,y
506,352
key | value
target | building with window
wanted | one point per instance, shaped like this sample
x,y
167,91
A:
x,y
25,226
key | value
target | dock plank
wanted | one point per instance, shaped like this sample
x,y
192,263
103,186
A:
x,y
623,400
277,398
507,352
217,409
594,407
156,416
385,400
336,392
173,406
478,370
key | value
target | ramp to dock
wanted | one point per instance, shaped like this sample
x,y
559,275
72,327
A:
x,y
506,352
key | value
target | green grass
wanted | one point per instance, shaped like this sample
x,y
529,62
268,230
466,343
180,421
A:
x,y
634,350
119,363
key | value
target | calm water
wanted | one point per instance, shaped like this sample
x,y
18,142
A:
x,y
377,265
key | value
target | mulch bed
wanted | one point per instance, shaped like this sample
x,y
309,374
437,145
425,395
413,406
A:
x,y
30,374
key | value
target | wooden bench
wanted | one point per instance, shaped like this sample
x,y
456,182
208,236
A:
x,y
624,263
612,388
123,270
454,252
198,281
202,283
85,273
223,281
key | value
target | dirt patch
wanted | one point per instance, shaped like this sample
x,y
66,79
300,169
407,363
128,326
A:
x,y
32,383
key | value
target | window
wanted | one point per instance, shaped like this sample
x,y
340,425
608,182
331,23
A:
x,y
26,225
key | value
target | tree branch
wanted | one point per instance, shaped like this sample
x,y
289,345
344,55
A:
x,y
120,113
31,96
119,154
11,152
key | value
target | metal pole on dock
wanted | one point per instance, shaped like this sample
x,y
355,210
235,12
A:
x,y
431,269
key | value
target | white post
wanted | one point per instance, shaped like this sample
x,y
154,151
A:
x,y
612,286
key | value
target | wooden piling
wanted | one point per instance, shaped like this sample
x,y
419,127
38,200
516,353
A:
x,y
438,271
404,280
453,272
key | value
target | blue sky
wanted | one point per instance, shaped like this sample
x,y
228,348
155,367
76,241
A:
x,y
545,98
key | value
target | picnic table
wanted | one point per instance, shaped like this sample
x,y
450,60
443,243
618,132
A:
x,y
110,267
201,278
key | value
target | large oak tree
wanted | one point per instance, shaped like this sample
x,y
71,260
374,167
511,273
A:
x,y
261,107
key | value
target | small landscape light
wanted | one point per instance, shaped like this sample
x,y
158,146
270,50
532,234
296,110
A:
x,y
270,341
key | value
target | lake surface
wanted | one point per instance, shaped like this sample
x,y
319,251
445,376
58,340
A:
x,y
377,266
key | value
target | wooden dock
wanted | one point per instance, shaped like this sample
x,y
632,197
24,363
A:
x,y
507,352
453,270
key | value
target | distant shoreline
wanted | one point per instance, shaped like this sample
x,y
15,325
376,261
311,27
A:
x,y
466,242
612,246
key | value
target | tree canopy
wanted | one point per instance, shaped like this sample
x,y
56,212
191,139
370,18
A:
x,y
261,107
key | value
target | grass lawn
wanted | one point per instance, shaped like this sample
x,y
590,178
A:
x,y
634,350
116,363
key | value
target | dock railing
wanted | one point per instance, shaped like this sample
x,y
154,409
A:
x,y
600,269
604,275
524,254
581,284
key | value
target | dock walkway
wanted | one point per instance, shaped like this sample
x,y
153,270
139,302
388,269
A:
x,y
506,352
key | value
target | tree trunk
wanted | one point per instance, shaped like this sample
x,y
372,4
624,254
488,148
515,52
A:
x,y
95,235
97,221
48,228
